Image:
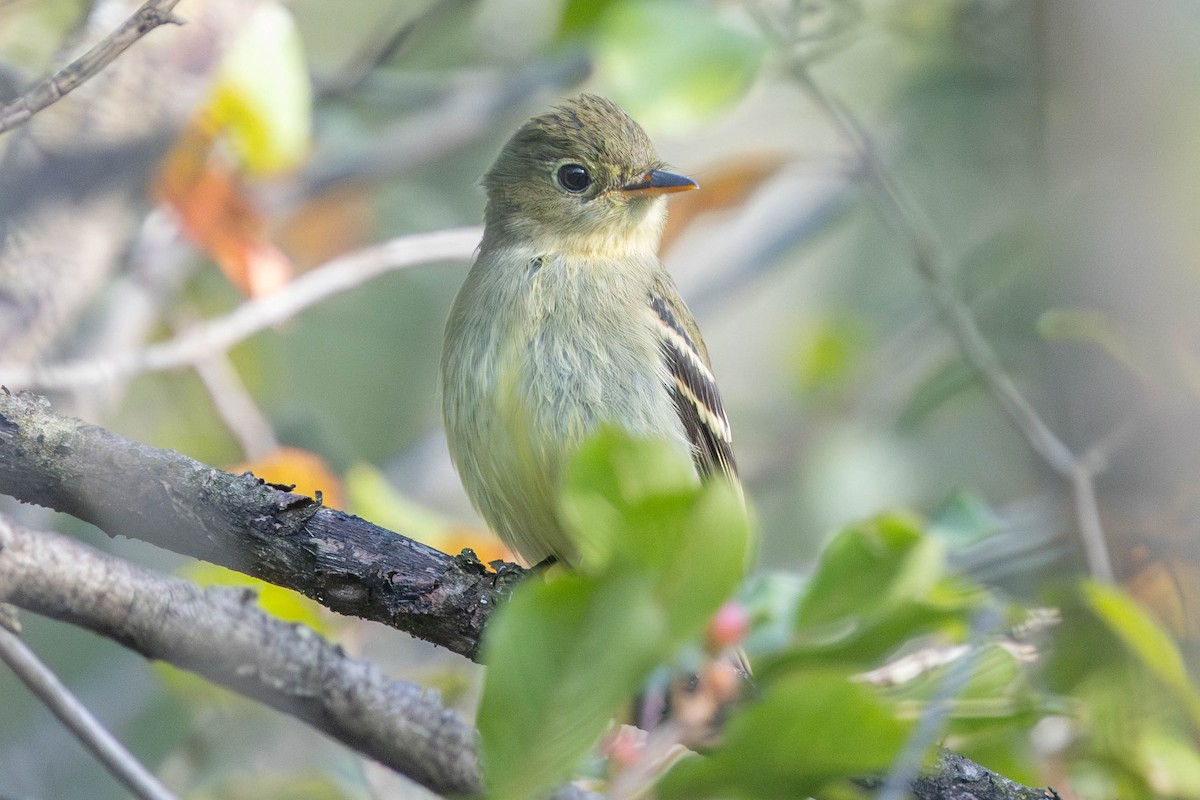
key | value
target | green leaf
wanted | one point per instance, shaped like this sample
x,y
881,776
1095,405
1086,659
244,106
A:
x,y
581,16
964,519
812,728
261,97
1170,763
561,656
661,553
998,694
876,585
771,599
1144,639
826,356
373,497
616,483
1090,325
707,561
673,61
866,569
934,392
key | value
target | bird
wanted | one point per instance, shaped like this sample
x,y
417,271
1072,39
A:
x,y
568,322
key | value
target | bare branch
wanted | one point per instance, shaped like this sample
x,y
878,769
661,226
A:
x,y
220,634
235,405
383,48
345,563
929,260
218,335
42,681
152,14
172,501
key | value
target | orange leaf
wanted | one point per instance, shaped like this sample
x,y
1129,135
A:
x,y
724,186
1169,588
328,225
215,213
307,470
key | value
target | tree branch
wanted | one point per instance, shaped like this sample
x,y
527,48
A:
x,y
957,778
43,683
219,633
343,562
49,91
219,335
929,260
163,497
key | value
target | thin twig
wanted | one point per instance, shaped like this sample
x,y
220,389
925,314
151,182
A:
x,y
234,403
152,14
78,719
1091,530
929,260
384,48
220,334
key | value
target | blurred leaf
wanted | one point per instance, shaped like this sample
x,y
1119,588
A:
x,y
964,519
581,16
304,469
1169,587
771,600
262,100
708,560
807,730
828,353
325,226
1170,764
1096,327
303,786
876,584
30,34
942,385
1145,640
373,497
865,570
1130,688
726,185
217,214
636,504
614,483
563,654
999,686
197,694
669,62
277,601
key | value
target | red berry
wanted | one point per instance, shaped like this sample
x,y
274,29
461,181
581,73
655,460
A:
x,y
728,626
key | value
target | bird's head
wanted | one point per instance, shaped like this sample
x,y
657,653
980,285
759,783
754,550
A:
x,y
583,178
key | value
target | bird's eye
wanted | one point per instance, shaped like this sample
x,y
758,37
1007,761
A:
x,y
574,178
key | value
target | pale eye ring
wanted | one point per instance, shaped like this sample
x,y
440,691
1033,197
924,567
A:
x,y
574,178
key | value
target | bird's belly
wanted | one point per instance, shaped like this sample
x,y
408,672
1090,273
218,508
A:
x,y
549,396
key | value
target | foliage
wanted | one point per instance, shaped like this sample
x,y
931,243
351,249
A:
x,y
262,97
845,662
565,652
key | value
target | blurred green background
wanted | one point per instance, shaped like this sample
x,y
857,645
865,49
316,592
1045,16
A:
x,y
1049,148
